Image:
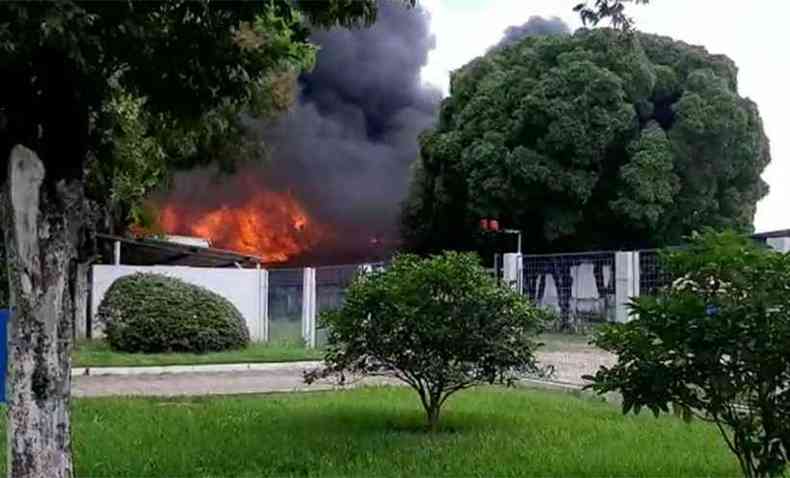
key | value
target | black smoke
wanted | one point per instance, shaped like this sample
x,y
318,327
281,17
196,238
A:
x,y
347,146
535,26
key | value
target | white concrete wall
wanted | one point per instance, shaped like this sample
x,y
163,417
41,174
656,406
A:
x,y
244,288
781,244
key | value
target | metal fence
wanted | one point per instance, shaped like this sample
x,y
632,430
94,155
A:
x,y
579,288
652,274
286,289
330,288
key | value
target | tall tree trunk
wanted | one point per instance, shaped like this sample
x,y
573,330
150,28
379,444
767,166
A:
x,y
42,224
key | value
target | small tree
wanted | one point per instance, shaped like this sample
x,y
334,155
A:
x,y
715,345
440,324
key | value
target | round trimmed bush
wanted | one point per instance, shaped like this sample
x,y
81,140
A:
x,y
153,313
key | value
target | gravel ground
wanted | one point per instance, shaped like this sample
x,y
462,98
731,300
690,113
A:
x,y
569,366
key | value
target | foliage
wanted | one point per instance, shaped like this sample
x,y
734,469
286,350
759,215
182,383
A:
x,y
614,10
152,313
439,324
592,141
714,344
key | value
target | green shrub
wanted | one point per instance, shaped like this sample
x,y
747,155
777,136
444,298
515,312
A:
x,y
152,313
715,345
439,324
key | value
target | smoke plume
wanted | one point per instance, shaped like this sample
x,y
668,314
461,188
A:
x,y
347,146
535,26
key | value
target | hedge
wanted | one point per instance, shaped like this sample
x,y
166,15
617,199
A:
x,y
153,313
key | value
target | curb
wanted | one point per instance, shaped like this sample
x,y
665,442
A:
x,y
181,369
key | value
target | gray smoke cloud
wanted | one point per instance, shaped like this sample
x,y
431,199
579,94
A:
x,y
535,26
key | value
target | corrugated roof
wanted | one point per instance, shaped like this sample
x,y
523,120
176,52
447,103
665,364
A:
x,y
149,252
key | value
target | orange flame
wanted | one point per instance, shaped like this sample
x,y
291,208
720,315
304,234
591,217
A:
x,y
269,224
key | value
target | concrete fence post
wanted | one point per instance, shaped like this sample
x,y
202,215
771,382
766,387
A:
x,y
116,253
263,291
308,307
781,244
626,266
513,271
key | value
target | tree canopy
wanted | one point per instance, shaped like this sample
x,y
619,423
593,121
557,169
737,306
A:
x,y
595,140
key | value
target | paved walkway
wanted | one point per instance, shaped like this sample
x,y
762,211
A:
x,y
279,379
264,378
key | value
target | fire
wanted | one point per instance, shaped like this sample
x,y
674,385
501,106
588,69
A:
x,y
269,224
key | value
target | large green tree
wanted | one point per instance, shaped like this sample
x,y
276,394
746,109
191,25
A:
x,y
595,140
118,93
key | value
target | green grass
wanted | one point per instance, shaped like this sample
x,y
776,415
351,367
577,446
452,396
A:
x,y
379,433
99,354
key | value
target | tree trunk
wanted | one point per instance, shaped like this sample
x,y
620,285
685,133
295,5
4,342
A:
x,y
81,300
42,224
432,414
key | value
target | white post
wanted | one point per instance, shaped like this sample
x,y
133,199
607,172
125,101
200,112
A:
x,y
626,266
263,302
308,307
117,253
781,244
512,273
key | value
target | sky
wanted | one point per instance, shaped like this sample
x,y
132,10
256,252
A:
x,y
754,34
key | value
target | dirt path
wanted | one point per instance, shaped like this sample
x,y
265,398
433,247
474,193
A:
x,y
569,367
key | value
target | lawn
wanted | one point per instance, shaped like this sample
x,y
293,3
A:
x,y
378,433
99,354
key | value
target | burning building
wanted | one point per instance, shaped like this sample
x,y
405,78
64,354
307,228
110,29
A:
x,y
338,165
339,161
258,221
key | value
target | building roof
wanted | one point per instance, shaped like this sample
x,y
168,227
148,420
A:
x,y
188,240
772,234
150,252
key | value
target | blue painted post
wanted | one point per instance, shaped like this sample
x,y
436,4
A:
x,y
3,351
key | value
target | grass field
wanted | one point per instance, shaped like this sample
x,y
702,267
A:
x,y
378,433
99,354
